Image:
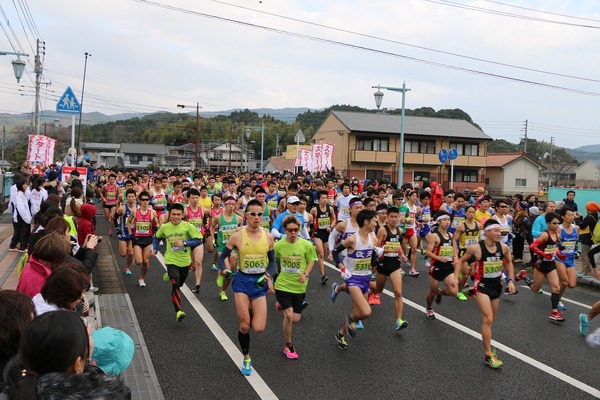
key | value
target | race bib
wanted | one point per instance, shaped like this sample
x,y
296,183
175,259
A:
x,y
142,227
569,247
196,223
447,252
470,241
324,223
362,264
111,195
550,250
492,269
291,264
254,263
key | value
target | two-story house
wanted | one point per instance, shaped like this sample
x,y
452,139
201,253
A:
x,y
367,146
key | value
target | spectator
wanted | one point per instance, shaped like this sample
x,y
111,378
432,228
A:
x,y
85,224
37,195
570,202
84,255
16,312
437,197
21,216
52,360
113,350
48,253
52,183
43,220
62,290
479,193
586,228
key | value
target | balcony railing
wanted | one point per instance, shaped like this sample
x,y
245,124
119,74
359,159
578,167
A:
x,y
373,156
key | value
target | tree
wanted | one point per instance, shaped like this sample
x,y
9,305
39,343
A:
x,y
501,146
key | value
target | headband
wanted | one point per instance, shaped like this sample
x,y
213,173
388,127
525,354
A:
x,y
354,201
493,226
230,202
441,217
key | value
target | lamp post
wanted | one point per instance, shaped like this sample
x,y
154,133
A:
x,y
299,139
378,97
262,141
244,150
18,64
197,122
81,104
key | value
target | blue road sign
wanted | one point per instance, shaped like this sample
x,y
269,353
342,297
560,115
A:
x,y
68,103
452,154
443,156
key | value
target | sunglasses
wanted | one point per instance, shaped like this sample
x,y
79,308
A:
x,y
555,223
254,213
294,230
502,206
144,199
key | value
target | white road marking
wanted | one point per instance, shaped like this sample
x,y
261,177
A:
x,y
525,358
564,299
258,384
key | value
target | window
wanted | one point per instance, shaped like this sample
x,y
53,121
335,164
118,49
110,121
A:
x,y
370,144
465,176
374,174
412,146
520,182
466,149
421,176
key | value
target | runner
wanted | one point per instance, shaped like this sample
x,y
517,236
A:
x,y
356,271
243,200
215,212
125,239
409,212
465,236
439,249
159,200
253,278
547,247
390,238
324,221
109,198
296,258
491,257
425,220
342,202
179,236
140,225
194,214
224,226
569,236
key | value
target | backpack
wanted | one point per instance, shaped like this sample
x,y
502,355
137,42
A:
x,y
596,234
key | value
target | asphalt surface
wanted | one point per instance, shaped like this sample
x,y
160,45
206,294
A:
x,y
429,359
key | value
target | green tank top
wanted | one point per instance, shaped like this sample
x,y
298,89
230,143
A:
x,y
226,228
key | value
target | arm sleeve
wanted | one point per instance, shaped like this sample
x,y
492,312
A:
x,y
591,255
536,249
275,233
221,260
195,242
336,253
333,236
305,233
272,263
155,243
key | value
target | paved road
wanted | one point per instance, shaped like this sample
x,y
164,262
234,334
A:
x,y
429,359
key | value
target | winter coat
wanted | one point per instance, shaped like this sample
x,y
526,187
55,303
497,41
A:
x,y
42,306
586,228
33,277
85,225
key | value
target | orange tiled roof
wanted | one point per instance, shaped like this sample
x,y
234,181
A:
x,y
501,159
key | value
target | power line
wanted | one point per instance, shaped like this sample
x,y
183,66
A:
x,y
364,48
543,12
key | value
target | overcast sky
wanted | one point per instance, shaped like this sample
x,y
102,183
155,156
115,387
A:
x,y
315,53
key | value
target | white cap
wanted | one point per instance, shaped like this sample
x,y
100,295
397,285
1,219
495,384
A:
x,y
293,199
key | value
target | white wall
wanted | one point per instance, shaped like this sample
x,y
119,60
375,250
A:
x,y
521,169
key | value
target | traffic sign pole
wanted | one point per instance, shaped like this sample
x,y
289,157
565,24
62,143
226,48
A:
x,y
73,140
68,104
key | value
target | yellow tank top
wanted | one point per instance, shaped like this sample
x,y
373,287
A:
x,y
253,254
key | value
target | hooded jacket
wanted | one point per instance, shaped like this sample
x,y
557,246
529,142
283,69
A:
x,y
33,277
59,386
85,225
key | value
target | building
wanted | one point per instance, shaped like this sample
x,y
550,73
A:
x,y
511,173
587,175
367,145
102,154
139,155
558,174
279,164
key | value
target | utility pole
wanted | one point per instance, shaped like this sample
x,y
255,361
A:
x,y
551,165
38,69
277,145
525,145
230,140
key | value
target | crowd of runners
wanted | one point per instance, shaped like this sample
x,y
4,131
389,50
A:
x,y
265,233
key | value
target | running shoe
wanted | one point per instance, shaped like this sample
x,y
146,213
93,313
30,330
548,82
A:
x,y
403,272
493,361
438,297
127,271
290,352
196,289
509,293
528,281
429,313
351,327
23,250
556,316
214,267
579,274
334,293
341,340
373,275
518,260
469,291
278,306
593,339
304,304
414,273
377,298
220,280
141,283
561,306
324,279
583,324
180,316
166,277
371,298
223,296
14,249
540,291
521,275
461,296
192,267
401,324
359,325
247,367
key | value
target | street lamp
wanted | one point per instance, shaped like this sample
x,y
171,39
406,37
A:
x,y
245,150
197,122
18,64
299,139
262,141
378,97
